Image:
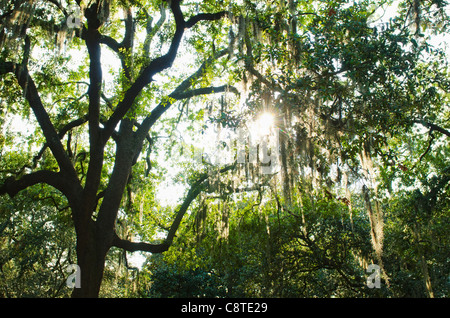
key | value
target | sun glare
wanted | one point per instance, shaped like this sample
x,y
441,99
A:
x,y
263,124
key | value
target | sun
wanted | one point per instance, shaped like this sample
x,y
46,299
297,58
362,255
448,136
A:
x,y
266,120
263,124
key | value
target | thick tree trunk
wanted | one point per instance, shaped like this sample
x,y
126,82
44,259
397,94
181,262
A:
x,y
91,254
95,238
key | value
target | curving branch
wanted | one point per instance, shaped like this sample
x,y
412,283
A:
x,y
139,246
162,107
110,42
11,186
206,17
182,92
197,187
432,127
205,91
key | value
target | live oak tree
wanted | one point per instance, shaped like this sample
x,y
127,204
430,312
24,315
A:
x,y
351,99
92,185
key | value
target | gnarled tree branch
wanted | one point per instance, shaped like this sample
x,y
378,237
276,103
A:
x,y
181,93
205,17
139,246
197,187
432,127
12,186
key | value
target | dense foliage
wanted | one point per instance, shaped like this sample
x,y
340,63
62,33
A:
x,y
358,99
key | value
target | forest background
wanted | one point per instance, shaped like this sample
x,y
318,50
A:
x,y
224,148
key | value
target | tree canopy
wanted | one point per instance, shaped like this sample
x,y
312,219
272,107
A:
x,y
243,148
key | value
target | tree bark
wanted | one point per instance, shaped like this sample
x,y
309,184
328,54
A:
x,y
91,255
423,262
